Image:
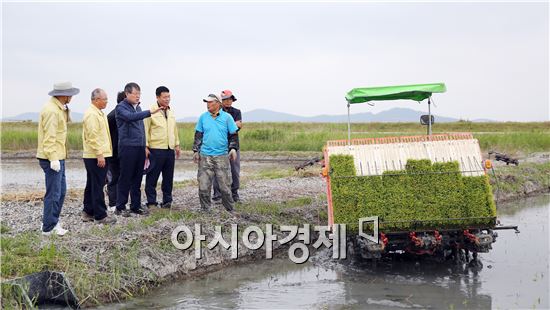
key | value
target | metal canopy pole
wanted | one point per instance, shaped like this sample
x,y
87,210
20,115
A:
x,y
429,117
349,127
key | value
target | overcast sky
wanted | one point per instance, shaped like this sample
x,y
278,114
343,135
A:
x,y
299,58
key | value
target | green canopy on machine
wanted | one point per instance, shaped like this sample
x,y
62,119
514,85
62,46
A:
x,y
416,92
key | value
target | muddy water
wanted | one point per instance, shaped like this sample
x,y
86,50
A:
x,y
514,275
26,174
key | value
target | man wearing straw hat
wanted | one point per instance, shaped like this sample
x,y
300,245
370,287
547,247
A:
x,y
52,152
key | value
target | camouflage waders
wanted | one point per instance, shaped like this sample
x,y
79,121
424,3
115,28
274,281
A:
x,y
211,167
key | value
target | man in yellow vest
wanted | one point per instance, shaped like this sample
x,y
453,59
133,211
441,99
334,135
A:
x,y
162,148
96,140
52,152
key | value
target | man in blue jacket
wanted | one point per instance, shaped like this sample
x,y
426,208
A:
x,y
131,150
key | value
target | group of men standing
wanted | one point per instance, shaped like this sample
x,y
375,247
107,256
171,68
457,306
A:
x,y
118,147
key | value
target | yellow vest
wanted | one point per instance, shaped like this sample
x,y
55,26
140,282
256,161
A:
x,y
161,131
52,131
96,138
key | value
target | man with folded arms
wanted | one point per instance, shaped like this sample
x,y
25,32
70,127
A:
x,y
52,152
96,140
163,147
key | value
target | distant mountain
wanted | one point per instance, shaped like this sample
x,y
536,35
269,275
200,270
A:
x,y
264,115
392,115
33,117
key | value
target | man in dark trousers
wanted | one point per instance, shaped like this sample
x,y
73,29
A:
x,y
113,172
163,147
96,142
227,101
131,150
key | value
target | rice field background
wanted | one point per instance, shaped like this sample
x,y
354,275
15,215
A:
x,y
508,137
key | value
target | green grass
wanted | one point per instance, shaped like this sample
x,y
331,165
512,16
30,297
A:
x,y
172,216
113,274
276,213
109,276
274,173
271,208
515,142
510,137
24,254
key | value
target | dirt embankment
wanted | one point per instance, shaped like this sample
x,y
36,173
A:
x,y
109,263
531,177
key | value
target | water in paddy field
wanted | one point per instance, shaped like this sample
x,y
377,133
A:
x,y
515,274
26,175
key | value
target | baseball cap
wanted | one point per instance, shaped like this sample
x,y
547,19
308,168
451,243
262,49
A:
x,y
226,94
212,97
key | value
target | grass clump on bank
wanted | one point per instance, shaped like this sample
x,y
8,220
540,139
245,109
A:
x,y
93,278
23,254
272,208
289,212
101,265
523,180
422,192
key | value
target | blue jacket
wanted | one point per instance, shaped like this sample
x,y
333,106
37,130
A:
x,y
131,131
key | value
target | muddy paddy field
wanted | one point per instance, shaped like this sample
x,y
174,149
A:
x,y
133,265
